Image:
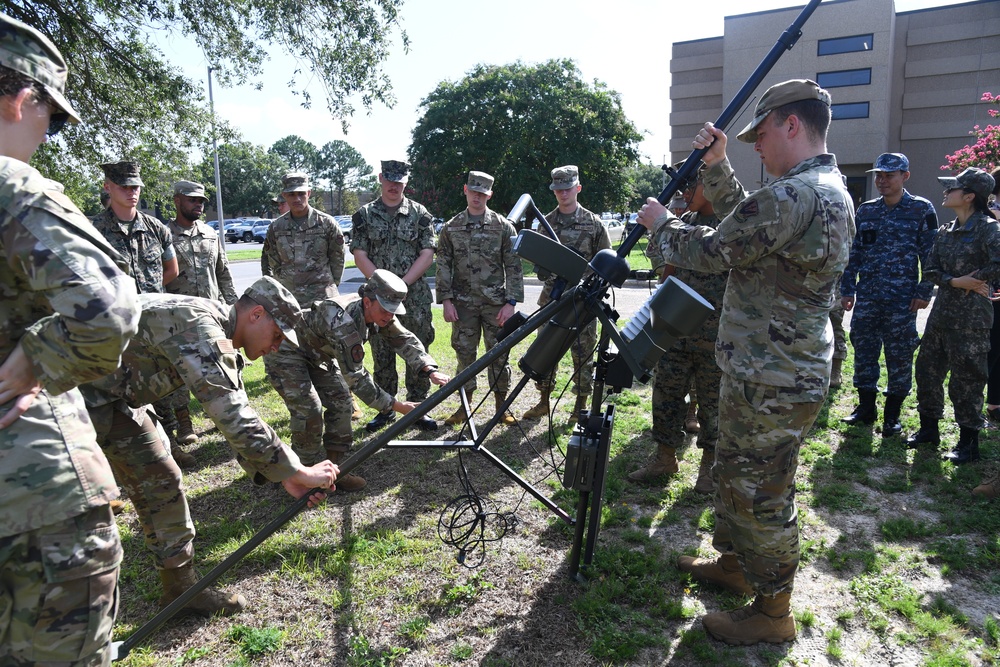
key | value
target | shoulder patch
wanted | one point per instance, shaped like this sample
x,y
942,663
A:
x,y
749,209
225,346
358,353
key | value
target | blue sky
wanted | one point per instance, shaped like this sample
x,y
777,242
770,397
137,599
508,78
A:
x,y
625,44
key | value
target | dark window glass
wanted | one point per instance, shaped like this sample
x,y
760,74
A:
x,y
846,77
828,47
849,110
856,186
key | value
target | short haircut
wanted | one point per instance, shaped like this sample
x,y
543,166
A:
x,y
13,82
814,114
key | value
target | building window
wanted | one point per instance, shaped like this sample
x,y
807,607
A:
x,y
849,110
829,47
845,77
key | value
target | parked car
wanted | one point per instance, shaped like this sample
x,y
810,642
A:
x,y
242,231
346,226
260,229
214,224
615,228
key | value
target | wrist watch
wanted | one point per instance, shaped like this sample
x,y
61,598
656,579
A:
x,y
512,302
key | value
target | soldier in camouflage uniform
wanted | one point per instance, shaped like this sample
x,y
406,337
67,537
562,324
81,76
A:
x,y
68,309
193,342
304,251
203,270
333,333
785,247
895,235
583,232
395,233
964,261
479,282
690,360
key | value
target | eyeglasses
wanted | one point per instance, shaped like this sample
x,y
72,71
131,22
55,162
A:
x,y
950,190
57,117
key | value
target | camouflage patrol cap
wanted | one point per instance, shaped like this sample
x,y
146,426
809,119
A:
x,y
279,303
397,171
29,52
277,200
677,202
123,173
190,189
890,162
972,179
389,289
778,95
295,181
480,181
564,178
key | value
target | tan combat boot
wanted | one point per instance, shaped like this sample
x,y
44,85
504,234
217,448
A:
x,y
835,373
358,412
665,463
210,601
691,424
724,571
185,430
458,417
183,460
766,619
349,482
580,403
988,489
507,418
705,483
542,408
117,506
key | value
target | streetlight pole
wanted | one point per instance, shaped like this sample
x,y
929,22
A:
x,y
215,159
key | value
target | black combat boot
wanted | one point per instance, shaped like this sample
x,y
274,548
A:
x,y
967,448
890,416
865,413
928,433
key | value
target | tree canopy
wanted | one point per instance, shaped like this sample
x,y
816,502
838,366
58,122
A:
x,y
250,176
134,104
518,122
647,181
344,168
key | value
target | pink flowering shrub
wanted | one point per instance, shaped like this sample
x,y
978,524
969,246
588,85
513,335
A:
x,y
985,152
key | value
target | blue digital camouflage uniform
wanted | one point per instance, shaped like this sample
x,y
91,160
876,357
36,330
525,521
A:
x,y
957,334
786,246
332,336
691,359
306,256
66,300
181,340
583,232
393,241
479,272
884,275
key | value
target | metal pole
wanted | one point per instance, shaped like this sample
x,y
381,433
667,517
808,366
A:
x,y
215,158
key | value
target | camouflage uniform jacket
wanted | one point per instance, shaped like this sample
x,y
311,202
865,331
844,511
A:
x,y
476,262
187,340
335,329
65,297
145,246
394,242
581,231
306,256
712,286
786,246
887,249
958,251
203,267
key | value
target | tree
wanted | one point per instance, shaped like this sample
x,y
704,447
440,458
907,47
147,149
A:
x,y
517,122
249,176
647,181
344,168
132,101
301,155
985,152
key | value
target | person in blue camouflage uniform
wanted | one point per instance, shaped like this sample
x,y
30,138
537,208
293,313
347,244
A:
x,y
581,231
479,284
964,263
396,233
304,251
67,310
193,342
690,361
785,247
884,287
332,337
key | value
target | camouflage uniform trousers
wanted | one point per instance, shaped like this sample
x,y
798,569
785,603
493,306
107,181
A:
x,y
151,478
839,336
689,363
878,324
473,323
582,351
307,388
419,321
761,428
963,352
60,592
